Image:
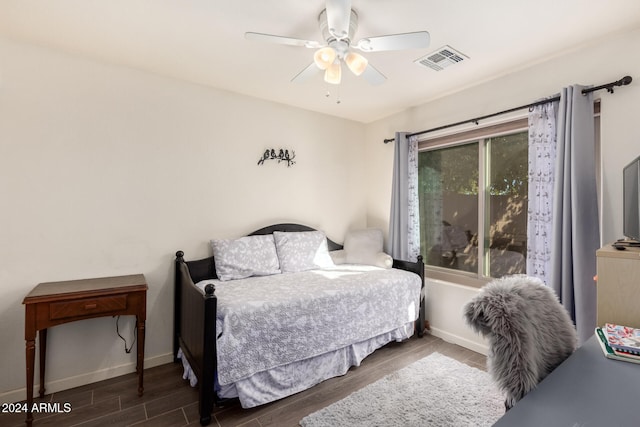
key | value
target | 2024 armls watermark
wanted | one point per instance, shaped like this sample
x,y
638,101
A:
x,y
41,407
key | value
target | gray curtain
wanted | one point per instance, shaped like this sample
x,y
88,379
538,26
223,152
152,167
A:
x,y
575,229
404,221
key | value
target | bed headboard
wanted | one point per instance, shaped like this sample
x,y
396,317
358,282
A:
x,y
206,268
333,246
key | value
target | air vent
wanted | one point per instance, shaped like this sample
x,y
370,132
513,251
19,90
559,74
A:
x,y
441,58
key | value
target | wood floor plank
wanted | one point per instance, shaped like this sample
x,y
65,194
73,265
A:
x,y
191,412
175,400
121,418
79,415
175,418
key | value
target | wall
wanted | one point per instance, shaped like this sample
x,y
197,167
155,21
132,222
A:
x,y
596,63
106,171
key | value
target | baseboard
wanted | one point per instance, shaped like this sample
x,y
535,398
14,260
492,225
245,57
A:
x,y
84,379
464,342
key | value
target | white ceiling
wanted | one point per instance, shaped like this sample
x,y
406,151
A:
x,y
202,41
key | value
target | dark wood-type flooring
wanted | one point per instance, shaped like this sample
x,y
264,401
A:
x,y
168,400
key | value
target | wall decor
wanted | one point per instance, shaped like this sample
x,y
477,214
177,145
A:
x,y
282,155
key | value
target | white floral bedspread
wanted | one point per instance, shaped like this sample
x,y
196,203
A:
x,y
265,322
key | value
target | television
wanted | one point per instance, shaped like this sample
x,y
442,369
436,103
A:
x,y
631,201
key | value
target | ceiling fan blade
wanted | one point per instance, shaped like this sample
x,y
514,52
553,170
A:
x,y
270,38
304,75
417,40
338,16
373,76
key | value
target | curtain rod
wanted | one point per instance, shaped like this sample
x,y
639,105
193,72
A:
x,y
609,87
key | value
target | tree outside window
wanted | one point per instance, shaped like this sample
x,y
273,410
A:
x,y
473,205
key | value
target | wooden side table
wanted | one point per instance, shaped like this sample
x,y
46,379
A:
x,y
54,303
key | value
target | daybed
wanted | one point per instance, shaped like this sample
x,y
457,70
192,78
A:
x,y
272,335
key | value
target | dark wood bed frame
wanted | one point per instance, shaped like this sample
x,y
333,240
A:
x,y
195,315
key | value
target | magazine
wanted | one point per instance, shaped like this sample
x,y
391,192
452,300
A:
x,y
623,338
609,353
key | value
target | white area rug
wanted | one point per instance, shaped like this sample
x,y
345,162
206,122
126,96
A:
x,y
434,391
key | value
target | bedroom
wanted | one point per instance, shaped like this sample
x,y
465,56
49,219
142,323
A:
x,y
101,164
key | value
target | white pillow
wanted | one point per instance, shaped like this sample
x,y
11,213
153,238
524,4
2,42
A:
x,y
245,257
362,246
302,250
381,260
384,260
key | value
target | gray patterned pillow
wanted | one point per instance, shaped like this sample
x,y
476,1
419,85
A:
x,y
302,250
245,257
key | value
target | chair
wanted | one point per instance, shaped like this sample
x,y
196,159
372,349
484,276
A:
x,y
529,332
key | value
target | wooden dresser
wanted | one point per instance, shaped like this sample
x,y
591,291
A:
x,y
618,286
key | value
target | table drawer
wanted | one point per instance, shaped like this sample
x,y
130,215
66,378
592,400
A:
x,y
61,310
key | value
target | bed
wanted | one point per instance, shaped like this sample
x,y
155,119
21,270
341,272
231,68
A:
x,y
259,339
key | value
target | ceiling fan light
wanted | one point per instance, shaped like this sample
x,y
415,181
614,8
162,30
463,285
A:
x,y
324,57
333,74
356,63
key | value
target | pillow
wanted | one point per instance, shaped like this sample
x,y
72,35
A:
x,y
381,259
302,250
362,246
365,247
245,257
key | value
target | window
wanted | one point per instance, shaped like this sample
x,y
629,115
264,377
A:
x,y
473,203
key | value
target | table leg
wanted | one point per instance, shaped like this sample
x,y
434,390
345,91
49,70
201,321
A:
x,y
31,358
140,363
42,341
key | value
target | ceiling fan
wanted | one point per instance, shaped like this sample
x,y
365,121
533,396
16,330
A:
x,y
338,25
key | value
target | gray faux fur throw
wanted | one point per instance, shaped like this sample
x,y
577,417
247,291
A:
x,y
529,331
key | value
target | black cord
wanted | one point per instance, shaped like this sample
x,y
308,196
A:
x,y
122,338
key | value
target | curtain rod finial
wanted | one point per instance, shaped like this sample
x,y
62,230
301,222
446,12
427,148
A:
x,y
625,80
622,82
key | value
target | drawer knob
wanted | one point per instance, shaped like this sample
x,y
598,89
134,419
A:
x,y
90,306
